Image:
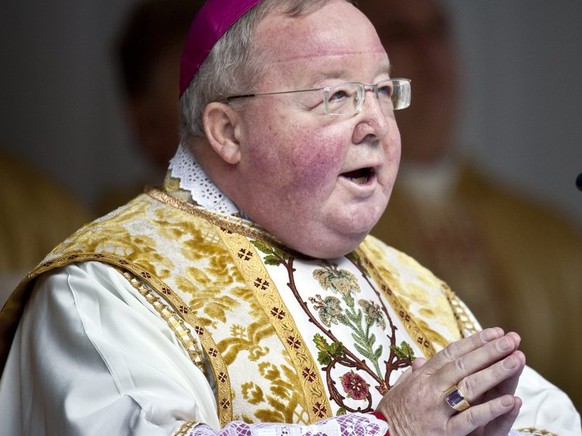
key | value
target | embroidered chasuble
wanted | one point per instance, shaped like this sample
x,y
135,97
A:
x,y
282,337
189,313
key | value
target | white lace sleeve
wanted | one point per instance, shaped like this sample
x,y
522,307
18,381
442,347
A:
x,y
357,424
362,426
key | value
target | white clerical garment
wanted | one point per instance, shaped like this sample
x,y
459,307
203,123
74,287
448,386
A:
x,y
96,351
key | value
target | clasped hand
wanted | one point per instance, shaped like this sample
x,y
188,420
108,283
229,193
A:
x,y
485,367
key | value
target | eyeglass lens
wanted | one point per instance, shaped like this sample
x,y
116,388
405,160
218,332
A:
x,y
348,98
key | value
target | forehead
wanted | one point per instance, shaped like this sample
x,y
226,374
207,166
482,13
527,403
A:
x,y
336,37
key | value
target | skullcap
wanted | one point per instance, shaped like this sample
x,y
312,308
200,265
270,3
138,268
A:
x,y
211,22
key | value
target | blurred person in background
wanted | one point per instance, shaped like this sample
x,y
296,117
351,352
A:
x,y
37,213
515,262
146,53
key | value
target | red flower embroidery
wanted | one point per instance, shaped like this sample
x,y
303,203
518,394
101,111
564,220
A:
x,y
355,386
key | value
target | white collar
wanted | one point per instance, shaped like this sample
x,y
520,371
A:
x,y
193,178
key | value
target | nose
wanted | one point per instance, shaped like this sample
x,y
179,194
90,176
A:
x,y
373,121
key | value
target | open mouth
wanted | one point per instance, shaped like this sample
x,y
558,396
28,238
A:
x,y
360,176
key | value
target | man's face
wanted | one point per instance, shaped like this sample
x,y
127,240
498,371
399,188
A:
x,y
416,34
318,182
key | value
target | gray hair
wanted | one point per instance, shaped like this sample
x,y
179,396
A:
x,y
233,67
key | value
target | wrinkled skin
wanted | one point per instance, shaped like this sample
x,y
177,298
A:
x,y
485,366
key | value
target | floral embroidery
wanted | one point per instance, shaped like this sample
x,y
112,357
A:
x,y
328,352
329,309
359,320
337,280
214,289
369,358
404,351
355,386
373,313
237,331
278,403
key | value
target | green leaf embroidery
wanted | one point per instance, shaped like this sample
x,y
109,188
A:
x,y
327,352
273,255
404,351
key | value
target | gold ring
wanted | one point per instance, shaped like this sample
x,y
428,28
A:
x,y
455,398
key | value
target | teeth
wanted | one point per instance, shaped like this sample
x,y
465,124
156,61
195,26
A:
x,y
360,180
359,177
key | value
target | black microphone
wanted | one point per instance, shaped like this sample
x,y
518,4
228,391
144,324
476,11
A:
x,y
579,181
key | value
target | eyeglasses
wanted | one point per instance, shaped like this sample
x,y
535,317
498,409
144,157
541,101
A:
x,y
348,98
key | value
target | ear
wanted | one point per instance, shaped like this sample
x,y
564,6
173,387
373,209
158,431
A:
x,y
222,127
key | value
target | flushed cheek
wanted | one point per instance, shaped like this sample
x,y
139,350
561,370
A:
x,y
299,156
316,165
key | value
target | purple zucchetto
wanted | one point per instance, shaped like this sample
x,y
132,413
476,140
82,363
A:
x,y
211,22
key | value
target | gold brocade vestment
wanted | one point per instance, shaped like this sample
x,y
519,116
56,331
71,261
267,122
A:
x,y
282,337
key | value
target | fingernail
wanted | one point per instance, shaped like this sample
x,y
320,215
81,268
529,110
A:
x,y
509,363
505,345
488,335
516,337
507,401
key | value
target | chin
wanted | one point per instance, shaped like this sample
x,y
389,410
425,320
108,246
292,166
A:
x,y
361,227
333,246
